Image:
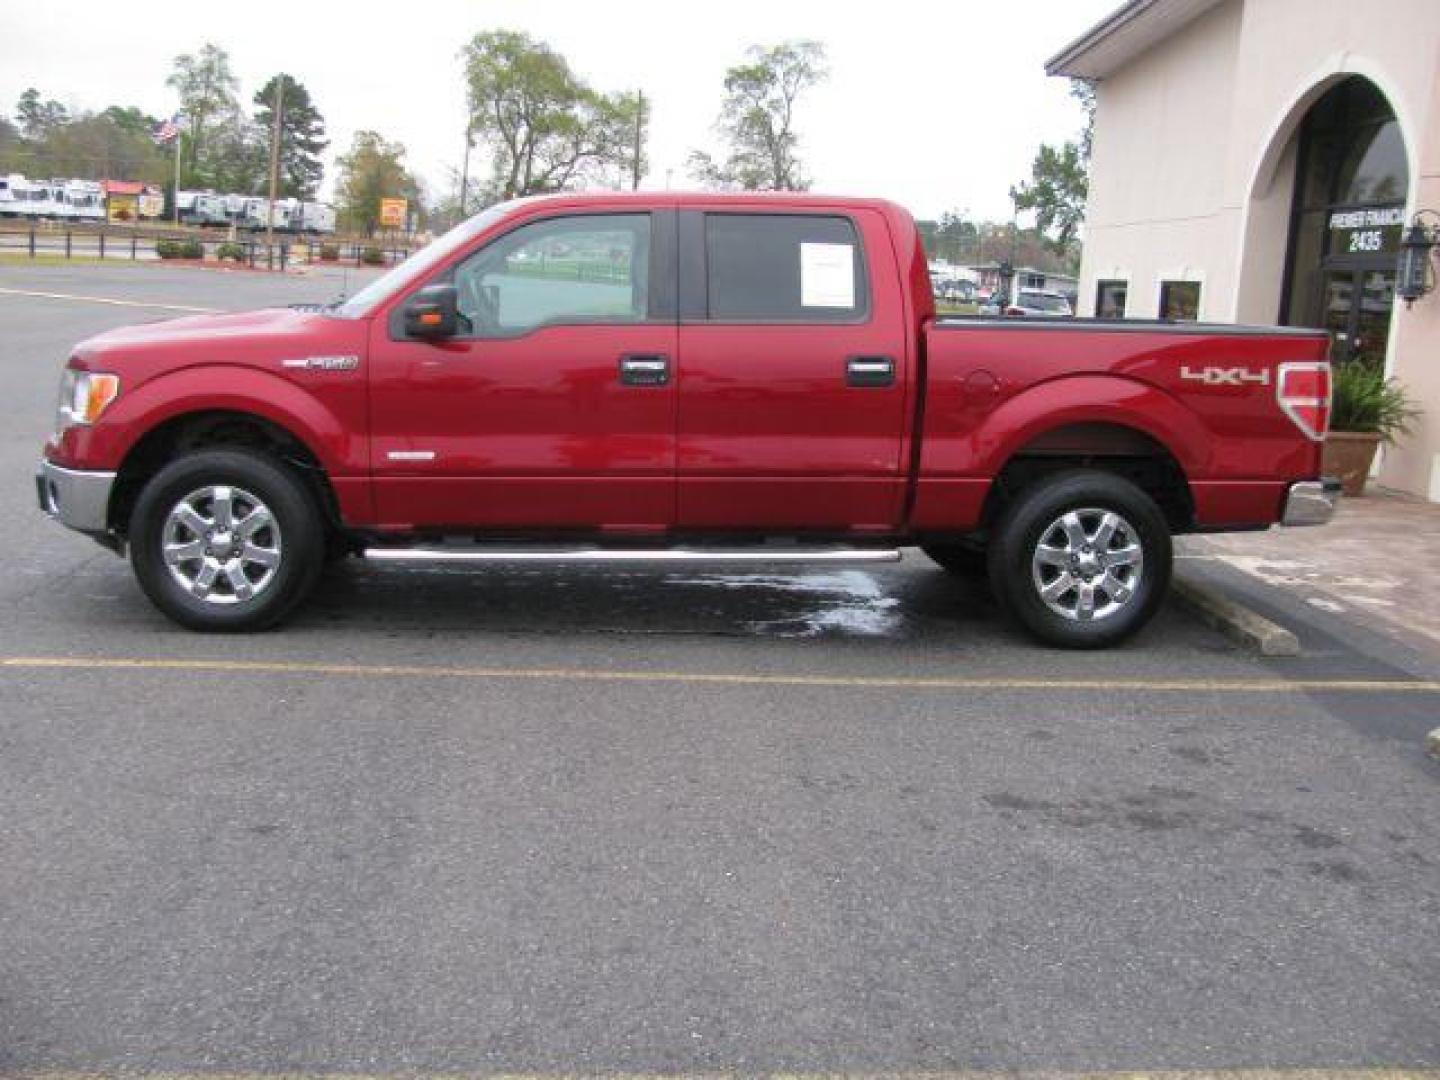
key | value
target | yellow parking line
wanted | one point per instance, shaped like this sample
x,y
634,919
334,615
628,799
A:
x,y
107,300
703,678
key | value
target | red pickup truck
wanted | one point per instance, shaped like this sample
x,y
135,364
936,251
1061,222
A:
x,y
684,376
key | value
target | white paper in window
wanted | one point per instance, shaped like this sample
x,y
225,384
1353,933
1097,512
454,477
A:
x,y
827,275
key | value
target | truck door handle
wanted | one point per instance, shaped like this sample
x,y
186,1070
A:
x,y
647,369
870,371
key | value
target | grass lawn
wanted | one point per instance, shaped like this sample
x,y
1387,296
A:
x,y
10,258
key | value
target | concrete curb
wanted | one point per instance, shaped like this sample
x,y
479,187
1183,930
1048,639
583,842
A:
x,y
1235,620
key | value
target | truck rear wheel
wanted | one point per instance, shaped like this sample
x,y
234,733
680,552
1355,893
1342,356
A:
x,y
226,540
1081,559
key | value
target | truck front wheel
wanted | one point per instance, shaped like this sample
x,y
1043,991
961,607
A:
x,y
1081,559
226,540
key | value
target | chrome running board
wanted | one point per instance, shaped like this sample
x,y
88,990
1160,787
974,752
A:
x,y
630,555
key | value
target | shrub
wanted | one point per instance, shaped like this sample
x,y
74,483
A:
x,y
372,256
329,252
1364,400
179,249
230,250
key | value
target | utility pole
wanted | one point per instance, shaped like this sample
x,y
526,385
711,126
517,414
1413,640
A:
x,y
465,167
639,140
279,110
179,138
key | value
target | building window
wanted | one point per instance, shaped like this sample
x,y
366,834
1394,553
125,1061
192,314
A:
x,y
1180,300
1110,299
784,268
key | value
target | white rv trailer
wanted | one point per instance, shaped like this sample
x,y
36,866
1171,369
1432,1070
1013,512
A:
x,y
257,214
234,207
187,206
317,217
56,209
203,208
252,212
27,199
9,198
83,200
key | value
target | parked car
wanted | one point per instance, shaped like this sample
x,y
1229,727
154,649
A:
x,y
1040,303
697,377
955,290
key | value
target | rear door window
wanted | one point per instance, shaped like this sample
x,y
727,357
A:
x,y
793,268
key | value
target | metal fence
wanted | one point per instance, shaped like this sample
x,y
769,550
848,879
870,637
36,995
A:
x,y
41,242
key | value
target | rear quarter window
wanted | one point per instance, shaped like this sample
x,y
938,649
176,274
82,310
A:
x,y
794,268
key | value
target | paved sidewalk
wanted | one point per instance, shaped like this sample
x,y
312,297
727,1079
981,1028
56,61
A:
x,y
1378,562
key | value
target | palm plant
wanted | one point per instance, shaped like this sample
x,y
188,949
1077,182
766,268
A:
x,y
1366,401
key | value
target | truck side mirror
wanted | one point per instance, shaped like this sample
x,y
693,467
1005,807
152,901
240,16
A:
x,y
433,313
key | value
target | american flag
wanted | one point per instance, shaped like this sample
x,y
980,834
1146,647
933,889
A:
x,y
166,130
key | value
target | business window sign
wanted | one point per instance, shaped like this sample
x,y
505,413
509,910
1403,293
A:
x,y
1374,230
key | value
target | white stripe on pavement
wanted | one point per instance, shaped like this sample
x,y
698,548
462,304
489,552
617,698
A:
x,y
108,300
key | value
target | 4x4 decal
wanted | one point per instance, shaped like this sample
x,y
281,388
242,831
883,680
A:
x,y
1223,376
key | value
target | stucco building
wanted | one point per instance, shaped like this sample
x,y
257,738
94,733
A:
x,y
1255,161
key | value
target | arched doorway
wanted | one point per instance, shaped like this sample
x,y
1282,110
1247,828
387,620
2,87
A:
x,y
1346,218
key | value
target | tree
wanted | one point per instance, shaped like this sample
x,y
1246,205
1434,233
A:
x,y
129,118
39,118
95,146
302,135
10,147
1083,91
757,120
373,169
237,158
88,145
206,87
544,127
956,238
1060,181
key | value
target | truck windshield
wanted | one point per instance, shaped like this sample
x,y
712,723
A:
x,y
421,263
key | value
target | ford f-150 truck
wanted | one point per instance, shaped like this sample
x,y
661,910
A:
x,y
686,376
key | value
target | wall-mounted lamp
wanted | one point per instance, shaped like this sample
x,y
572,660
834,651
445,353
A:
x,y
1415,276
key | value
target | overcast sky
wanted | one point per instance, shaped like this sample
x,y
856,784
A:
x,y
939,106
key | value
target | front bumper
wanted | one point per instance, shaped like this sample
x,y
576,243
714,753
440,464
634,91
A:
x,y
1311,502
78,499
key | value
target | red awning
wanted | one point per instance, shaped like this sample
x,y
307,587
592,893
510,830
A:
x,y
124,187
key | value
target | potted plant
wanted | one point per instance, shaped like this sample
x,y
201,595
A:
x,y
1366,410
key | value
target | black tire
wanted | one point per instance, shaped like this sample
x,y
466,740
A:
x,y
959,558
298,538
1016,559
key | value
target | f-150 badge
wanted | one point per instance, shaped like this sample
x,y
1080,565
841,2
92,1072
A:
x,y
322,363
1223,376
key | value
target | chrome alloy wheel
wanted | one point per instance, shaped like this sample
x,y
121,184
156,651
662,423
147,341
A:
x,y
222,544
1087,564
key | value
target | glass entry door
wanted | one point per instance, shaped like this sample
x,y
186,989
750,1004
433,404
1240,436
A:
x,y
1355,306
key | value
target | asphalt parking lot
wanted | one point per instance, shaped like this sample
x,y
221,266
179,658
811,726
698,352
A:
x,y
634,820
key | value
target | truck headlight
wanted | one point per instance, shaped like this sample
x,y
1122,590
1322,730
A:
x,y
84,396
